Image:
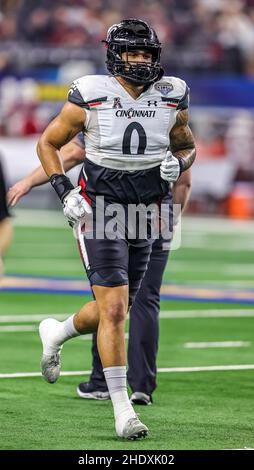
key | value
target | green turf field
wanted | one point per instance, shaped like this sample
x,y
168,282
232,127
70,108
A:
x,y
193,409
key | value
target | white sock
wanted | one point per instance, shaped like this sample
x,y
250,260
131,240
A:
x,y
63,331
117,387
69,328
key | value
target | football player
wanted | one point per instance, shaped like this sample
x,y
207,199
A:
x,y
144,314
138,141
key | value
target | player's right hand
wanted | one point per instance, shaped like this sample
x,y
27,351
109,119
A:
x,y
17,191
75,207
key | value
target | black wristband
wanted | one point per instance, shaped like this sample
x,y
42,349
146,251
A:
x,y
62,185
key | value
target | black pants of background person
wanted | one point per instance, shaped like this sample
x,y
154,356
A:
x,y
3,205
143,332
5,223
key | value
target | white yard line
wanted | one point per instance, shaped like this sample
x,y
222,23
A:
x,y
25,260
38,374
38,218
243,269
225,284
201,266
216,225
243,448
17,329
33,328
48,218
32,318
161,370
207,368
178,314
213,313
217,344
230,246
54,244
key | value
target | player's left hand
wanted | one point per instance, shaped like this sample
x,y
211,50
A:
x,y
170,169
75,207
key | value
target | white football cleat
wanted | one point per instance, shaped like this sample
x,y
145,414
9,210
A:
x,y
50,362
134,429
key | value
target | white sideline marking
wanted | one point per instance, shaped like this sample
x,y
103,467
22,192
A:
x,y
217,344
244,448
201,266
49,218
207,368
243,284
35,318
38,374
213,313
201,244
32,328
17,329
161,370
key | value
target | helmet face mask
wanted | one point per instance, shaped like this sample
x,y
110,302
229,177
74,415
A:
x,y
132,35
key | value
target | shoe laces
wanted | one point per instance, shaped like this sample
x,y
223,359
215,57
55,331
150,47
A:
x,y
54,360
135,418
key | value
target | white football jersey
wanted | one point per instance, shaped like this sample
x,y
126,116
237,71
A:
x,y
124,133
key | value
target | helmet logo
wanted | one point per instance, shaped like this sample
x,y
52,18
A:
x,y
164,88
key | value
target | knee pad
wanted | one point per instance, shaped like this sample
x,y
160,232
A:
x,y
108,277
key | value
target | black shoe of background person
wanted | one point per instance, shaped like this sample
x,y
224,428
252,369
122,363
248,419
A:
x,y
91,391
140,398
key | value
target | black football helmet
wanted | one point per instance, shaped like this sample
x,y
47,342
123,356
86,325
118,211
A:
x,y
129,35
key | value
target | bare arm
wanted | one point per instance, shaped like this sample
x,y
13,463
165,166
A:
x,y
58,133
181,192
181,189
71,154
182,141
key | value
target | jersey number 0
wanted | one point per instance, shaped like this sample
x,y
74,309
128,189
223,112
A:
x,y
127,138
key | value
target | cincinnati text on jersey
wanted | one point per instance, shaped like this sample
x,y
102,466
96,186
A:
x,y
130,113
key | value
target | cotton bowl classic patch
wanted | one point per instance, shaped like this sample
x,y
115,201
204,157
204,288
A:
x,y
164,88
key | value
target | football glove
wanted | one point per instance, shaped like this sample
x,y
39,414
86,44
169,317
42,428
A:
x,y
75,207
171,168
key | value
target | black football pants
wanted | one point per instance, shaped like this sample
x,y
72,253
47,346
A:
x,y
143,330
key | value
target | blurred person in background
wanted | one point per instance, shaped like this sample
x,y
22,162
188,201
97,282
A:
x,y
72,154
116,266
144,313
5,222
202,36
